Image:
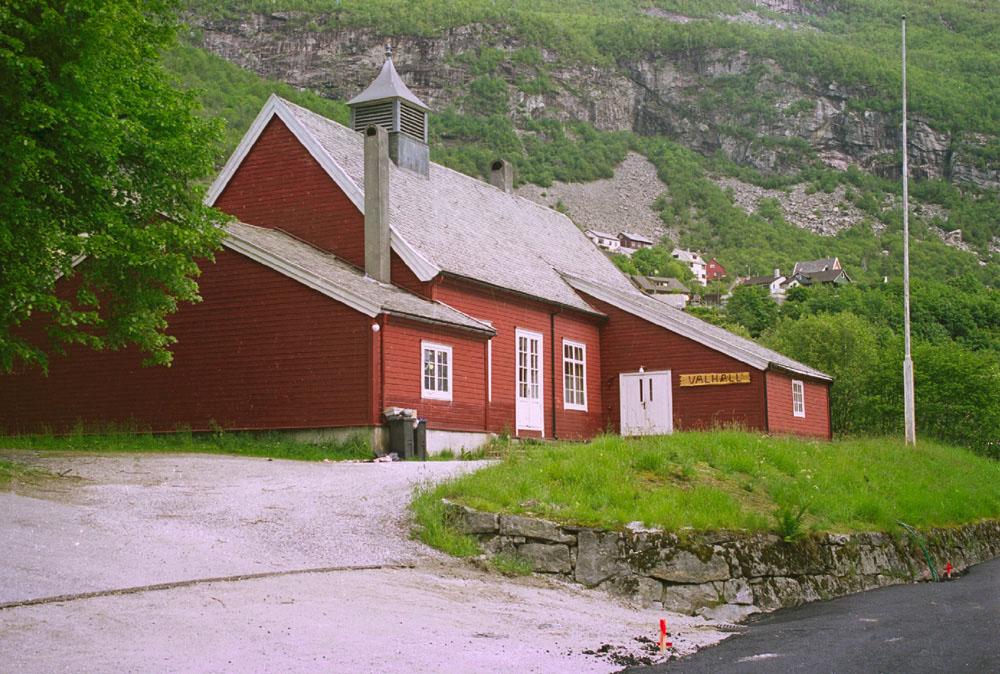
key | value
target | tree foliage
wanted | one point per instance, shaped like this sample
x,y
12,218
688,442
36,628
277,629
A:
x,y
657,261
100,157
753,308
855,334
845,347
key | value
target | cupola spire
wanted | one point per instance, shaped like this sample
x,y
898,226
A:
x,y
389,103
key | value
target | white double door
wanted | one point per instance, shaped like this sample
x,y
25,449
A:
x,y
646,403
530,412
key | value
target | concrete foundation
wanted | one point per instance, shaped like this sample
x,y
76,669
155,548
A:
x,y
456,441
378,438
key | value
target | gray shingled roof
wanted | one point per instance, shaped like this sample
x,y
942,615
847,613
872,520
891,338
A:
x,y
675,320
827,276
759,280
603,235
388,84
812,266
659,284
636,237
469,228
318,269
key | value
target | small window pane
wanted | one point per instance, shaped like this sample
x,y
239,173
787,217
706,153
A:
x,y
437,374
574,376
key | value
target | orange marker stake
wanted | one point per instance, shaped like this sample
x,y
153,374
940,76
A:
x,y
664,644
947,570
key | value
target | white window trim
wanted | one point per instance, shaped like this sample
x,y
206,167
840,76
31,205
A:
x,y
433,394
799,411
489,370
583,347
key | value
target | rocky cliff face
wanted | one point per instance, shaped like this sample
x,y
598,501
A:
x,y
683,96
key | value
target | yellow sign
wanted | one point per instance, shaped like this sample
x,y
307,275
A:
x,y
715,378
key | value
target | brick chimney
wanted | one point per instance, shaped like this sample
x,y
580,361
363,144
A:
x,y
377,203
502,175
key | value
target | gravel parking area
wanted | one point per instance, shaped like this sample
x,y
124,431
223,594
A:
x,y
337,583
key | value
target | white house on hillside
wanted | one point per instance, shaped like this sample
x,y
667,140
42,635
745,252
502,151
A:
x,y
604,240
695,262
775,284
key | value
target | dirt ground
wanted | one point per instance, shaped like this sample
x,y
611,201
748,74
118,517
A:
x,y
168,563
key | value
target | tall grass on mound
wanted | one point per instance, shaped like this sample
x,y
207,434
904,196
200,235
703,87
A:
x,y
271,445
737,480
433,527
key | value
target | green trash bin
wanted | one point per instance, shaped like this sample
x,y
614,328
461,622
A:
x,y
401,436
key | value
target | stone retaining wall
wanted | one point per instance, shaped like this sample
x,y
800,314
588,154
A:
x,y
725,575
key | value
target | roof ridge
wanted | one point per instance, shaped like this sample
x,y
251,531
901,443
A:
x,y
465,176
705,328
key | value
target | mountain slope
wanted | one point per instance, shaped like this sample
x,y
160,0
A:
x,y
725,98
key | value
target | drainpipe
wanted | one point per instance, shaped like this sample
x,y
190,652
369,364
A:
x,y
829,411
552,369
767,414
383,320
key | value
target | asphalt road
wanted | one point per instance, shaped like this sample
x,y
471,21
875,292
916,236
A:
x,y
931,627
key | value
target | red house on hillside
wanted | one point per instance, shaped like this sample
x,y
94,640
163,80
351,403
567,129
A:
x,y
714,270
361,276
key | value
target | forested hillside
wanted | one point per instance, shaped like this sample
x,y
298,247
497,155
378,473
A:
x,y
722,96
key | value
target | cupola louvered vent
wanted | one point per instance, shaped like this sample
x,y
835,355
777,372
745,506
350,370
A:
x,y
389,103
380,114
413,121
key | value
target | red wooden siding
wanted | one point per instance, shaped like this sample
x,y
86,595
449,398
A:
x,y
577,424
403,373
816,422
244,359
629,342
280,185
402,276
508,312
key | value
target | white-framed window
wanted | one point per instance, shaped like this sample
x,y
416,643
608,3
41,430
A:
x,y
435,364
798,398
574,375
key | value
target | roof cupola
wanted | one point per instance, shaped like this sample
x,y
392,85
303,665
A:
x,y
389,103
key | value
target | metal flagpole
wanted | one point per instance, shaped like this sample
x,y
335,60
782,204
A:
x,y
908,411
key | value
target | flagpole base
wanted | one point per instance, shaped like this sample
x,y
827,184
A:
x,y
909,420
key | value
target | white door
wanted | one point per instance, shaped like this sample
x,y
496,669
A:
x,y
646,404
530,411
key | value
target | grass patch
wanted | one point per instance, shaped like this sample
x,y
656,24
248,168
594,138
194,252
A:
x,y
737,480
510,565
16,472
434,529
271,445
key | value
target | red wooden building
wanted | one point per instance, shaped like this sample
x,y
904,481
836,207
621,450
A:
x,y
714,270
361,276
